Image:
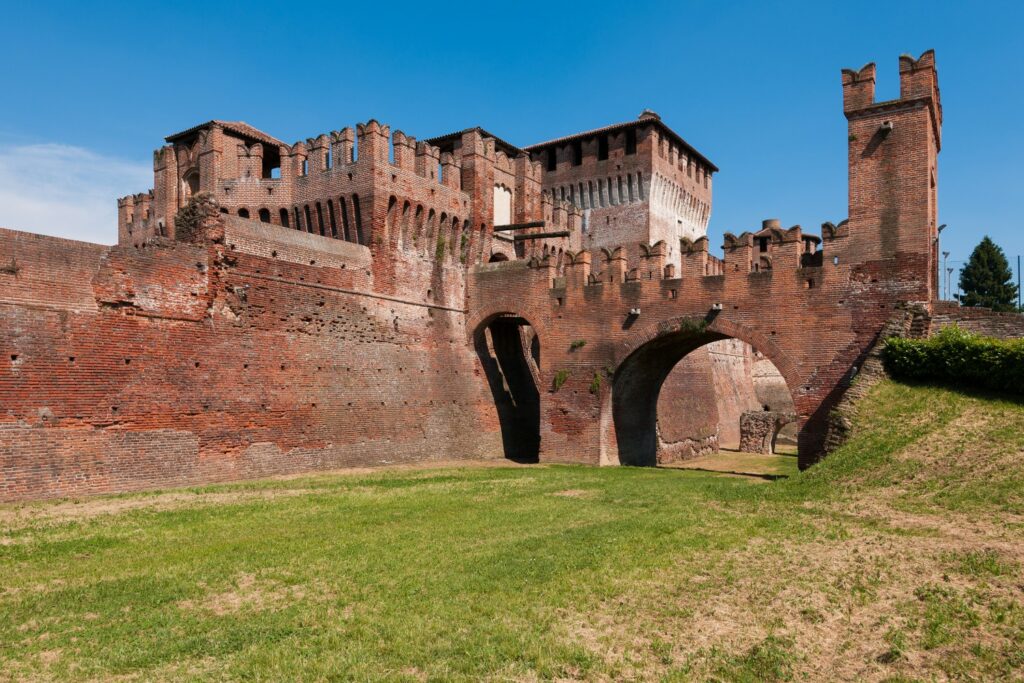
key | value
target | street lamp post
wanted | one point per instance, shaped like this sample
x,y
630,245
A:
x,y
935,245
945,289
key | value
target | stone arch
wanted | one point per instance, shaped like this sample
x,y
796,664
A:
x,y
644,360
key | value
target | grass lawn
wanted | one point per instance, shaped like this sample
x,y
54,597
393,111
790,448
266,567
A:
x,y
898,558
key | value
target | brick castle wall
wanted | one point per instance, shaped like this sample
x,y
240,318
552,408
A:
x,y
175,364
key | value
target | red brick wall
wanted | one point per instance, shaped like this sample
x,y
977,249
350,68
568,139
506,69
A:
x,y
175,364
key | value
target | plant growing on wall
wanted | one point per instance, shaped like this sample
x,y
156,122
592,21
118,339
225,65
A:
x,y
559,379
693,325
577,344
595,384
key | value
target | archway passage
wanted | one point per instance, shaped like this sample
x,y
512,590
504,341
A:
x,y
714,380
509,351
712,392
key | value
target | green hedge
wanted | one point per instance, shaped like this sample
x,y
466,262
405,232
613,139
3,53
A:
x,y
958,357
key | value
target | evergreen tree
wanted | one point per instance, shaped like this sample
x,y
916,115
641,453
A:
x,y
986,280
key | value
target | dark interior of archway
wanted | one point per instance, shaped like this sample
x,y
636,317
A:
x,y
508,348
635,391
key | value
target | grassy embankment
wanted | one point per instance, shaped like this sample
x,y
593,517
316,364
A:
x,y
898,558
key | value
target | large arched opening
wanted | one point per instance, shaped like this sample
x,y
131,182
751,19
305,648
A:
x,y
691,390
509,351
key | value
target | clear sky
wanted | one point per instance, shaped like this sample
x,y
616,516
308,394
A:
x,y
90,89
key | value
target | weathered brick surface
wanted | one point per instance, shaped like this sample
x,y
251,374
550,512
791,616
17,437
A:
x,y
247,348
759,428
978,320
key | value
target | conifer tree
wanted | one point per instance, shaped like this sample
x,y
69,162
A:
x,y
986,280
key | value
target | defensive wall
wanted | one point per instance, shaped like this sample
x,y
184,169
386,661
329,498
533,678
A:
x,y
348,300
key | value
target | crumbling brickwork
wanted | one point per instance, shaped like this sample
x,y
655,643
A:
x,y
759,429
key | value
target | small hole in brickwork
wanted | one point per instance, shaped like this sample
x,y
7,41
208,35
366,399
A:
x,y
312,405
245,366
560,301
273,254
113,409
71,359
14,356
382,402
735,308
350,176
312,262
282,367
773,332
809,284
127,361
350,404
197,364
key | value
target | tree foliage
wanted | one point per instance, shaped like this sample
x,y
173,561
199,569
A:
x,y
986,280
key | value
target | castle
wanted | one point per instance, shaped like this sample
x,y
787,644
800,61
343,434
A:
x,y
366,298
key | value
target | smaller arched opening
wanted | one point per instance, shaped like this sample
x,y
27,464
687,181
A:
x,y
190,184
497,257
509,351
243,213
264,215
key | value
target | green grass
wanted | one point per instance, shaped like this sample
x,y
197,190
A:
x,y
898,557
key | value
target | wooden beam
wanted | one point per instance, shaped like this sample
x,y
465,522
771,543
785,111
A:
x,y
518,226
541,235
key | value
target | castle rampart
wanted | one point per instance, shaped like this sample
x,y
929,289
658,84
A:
x,y
363,297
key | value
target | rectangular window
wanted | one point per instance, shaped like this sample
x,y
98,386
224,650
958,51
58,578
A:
x,y
631,141
602,148
577,153
552,159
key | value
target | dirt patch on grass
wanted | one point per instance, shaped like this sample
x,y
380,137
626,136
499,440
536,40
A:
x,y
79,510
23,514
572,493
250,593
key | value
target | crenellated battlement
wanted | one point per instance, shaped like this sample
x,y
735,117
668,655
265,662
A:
x,y
771,249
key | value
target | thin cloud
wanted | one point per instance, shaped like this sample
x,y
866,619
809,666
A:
x,y
66,191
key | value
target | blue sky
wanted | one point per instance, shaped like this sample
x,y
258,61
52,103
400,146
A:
x,y
91,88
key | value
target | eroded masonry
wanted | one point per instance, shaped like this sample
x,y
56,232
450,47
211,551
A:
x,y
366,298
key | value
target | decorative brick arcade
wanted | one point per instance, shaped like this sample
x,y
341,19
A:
x,y
363,298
